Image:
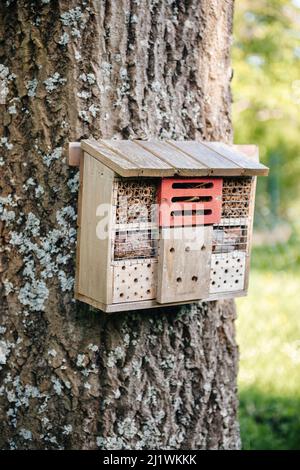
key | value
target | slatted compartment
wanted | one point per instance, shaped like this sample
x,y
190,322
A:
x,y
134,281
195,201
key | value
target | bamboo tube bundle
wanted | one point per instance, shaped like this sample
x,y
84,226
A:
x,y
236,197
134,200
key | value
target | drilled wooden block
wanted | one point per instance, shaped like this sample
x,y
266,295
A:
x,y
184,264
227,272
134,281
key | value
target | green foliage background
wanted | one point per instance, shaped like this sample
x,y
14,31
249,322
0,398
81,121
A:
x,y
266,94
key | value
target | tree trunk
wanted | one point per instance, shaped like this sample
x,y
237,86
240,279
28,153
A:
x,y
71,376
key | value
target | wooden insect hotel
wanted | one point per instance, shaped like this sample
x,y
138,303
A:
x,y
163,222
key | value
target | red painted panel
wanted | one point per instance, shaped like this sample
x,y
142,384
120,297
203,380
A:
x,y
193,201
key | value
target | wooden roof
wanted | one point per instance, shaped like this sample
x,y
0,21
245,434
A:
x,y
169,158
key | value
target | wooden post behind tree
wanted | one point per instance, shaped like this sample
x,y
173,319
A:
x,y
72,377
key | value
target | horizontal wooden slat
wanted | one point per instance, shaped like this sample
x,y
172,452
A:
x,y
216,164
142,158
109,158
75,153
184,164
146,304
238,158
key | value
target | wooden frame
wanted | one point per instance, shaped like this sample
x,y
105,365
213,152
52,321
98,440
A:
x,y
94,282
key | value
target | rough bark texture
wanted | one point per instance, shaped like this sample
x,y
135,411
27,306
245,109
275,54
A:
x,y
72,377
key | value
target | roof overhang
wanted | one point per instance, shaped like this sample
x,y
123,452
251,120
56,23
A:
x,y
157,158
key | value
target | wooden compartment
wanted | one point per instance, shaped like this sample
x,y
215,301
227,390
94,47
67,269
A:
x,y
134,280
236,197
134,200
184,263
135,244
227,272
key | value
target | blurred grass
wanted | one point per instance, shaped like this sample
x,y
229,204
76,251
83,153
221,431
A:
x,y
268,329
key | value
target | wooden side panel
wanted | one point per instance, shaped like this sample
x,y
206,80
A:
x,y
81,171
250,230
184,264
94,270
252,152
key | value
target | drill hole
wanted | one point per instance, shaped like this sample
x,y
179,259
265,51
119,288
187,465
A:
x,y
179,279
187,249
172,250
194,278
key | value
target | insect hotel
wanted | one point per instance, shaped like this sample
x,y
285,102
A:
x,y
163,222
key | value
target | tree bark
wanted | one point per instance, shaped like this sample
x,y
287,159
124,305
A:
x,y
71,376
